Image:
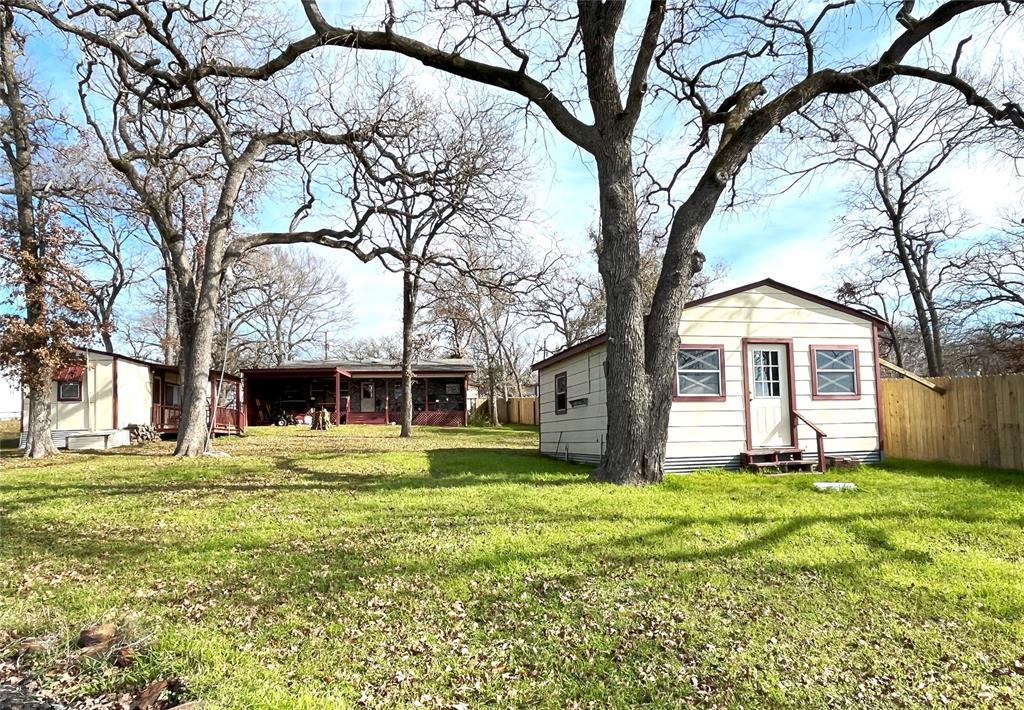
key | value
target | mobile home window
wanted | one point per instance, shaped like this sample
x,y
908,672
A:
x,y
561,393
172,394
699,372
69,391
835,371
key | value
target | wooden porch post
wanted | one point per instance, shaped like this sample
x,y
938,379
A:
x,y
238,407
387,398
465,401
337,397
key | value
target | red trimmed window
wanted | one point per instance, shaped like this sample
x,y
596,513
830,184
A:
x,y
69,391
834,372
700,373
561,393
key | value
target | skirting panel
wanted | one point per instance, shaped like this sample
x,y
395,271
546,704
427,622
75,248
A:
x,y
689,464
60,437
867,458
590,459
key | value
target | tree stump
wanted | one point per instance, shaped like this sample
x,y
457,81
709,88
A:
x,y
321,420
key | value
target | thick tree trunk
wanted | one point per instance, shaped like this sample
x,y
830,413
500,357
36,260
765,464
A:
x,y
194,368
408,315
37,376
626,457
170,345
39,441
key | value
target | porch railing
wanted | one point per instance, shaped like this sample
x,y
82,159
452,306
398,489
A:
x,y
819,435
166,417
229,418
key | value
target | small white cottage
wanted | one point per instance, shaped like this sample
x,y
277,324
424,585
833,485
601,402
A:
x,y
767,375
94,401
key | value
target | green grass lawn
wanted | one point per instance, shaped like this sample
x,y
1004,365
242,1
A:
x,y
327,569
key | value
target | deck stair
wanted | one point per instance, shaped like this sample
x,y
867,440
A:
x,y
366,418
776,459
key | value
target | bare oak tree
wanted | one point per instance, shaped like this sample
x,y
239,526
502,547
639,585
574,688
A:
x,y
287,305
894,142
197,149
992,280
109,251
485,311
45,318
569,303
444,176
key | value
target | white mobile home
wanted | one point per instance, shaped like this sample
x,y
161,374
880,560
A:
x,y
766,375
96,399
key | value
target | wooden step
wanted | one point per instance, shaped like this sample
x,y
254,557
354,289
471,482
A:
x,y
768,452
366,418
749,457
784,465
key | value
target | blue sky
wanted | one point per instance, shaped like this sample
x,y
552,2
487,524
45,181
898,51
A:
x,y
790,237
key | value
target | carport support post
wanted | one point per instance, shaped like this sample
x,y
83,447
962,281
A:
x,y
465,401
337,397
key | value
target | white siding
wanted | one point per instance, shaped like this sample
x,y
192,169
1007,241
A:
x,y
579,432
714,433
766,312
95,412
134,393
10,397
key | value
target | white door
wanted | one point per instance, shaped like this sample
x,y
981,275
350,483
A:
x,y
768,371
366,403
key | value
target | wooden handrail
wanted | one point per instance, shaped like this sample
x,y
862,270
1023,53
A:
x,y
819,436
808,422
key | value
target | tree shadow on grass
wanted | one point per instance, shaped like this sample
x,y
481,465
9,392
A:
x,y
606,537
445,469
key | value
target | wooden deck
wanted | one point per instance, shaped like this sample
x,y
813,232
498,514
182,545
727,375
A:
x,y
165,419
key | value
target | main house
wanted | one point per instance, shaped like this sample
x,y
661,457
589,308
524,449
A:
x,y
94,401
359,392
766,375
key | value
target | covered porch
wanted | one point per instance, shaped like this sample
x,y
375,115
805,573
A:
x,y
437,400
286,395
226,407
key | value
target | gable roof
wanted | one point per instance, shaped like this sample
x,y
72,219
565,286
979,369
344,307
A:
x,y
151,364
602,338
792,291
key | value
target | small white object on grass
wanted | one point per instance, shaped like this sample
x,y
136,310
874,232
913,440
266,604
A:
x,y
834,486
217,454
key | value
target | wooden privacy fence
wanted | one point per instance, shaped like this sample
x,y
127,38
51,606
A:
x,y
978,421
514,410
